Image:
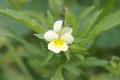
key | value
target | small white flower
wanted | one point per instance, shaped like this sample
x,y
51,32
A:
x,y
59,37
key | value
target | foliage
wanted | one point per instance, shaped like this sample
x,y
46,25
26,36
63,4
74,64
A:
x,y
94,55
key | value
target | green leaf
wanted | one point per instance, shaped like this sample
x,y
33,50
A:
x,y
8,33
81,57
67,54
3,40
89,23
72,69
86,12
50,18
40,35
77,48
114,68
22,18
58,75
108,7
37,66
83,16
109,39
55,6
91,62
70,19
29,47
105,77
50,55
103,25
18,4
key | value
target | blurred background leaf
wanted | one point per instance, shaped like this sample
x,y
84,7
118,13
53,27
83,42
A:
x,y
94,55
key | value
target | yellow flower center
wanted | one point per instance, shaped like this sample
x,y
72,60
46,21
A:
x,y
58,42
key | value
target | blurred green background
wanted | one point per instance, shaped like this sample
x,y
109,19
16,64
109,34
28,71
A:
x,y
25,57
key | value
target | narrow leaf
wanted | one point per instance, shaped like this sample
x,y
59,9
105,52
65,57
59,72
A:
x,y
72,69
105,24
50,55
50,19
89,23
22,18
39,35
18,4
58,75
91,61
67,54
86,12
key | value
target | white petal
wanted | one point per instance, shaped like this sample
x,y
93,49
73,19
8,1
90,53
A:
x,y
68,38
57,25
65,47
66,30
56,49
50,35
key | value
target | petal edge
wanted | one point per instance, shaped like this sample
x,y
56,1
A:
x,y
68,38
50,35
55,49
58,25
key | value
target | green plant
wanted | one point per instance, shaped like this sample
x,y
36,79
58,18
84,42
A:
x,y
31,59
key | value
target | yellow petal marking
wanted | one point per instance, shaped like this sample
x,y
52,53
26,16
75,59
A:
x,y
58,43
